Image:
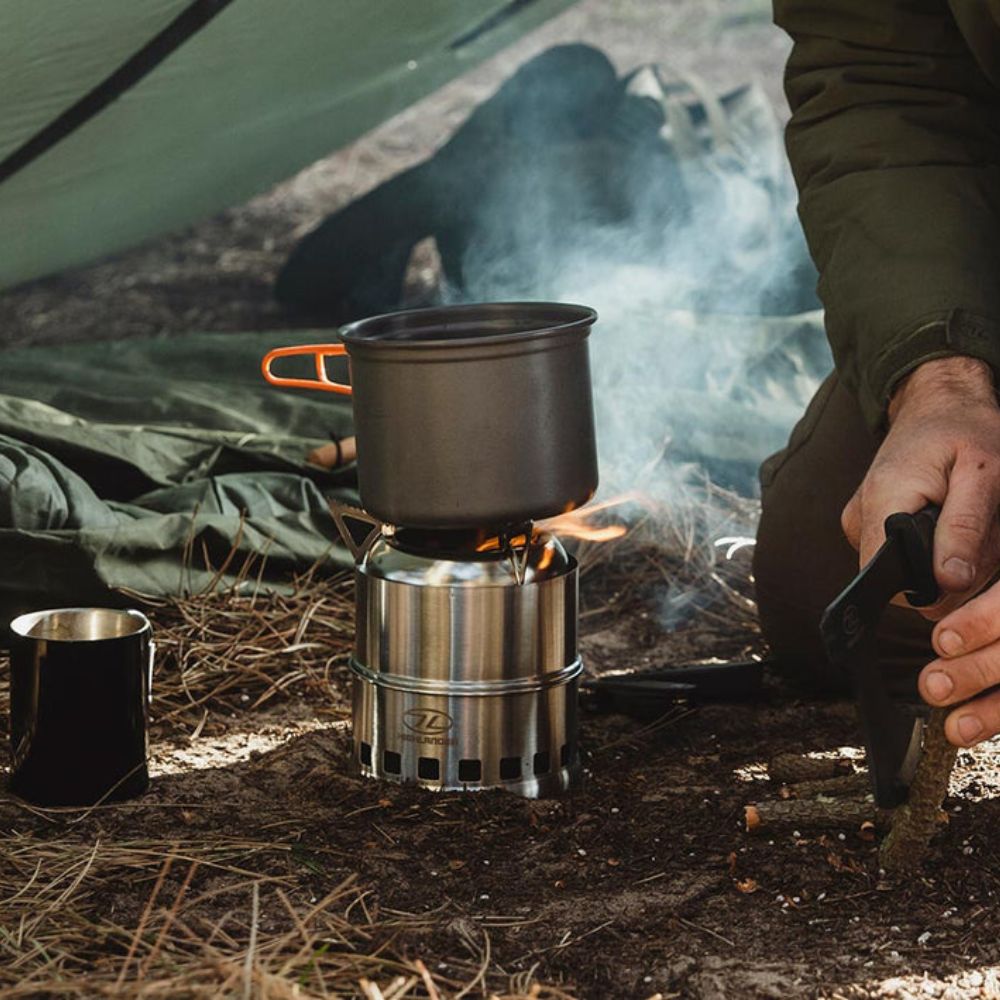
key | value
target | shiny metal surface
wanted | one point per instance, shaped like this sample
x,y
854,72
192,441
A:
x,y
465,620
466,678
80,624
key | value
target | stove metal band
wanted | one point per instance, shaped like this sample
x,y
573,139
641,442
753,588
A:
x,y
451,688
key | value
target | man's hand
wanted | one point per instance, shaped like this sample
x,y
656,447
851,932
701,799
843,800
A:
x,y
943,446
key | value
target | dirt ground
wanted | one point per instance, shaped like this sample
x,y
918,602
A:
x,y
256,863
643,884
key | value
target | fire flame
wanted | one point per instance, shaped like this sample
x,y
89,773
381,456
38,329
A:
x,y
576,523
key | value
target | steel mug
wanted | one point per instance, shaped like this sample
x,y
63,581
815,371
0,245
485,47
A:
x,y
80,681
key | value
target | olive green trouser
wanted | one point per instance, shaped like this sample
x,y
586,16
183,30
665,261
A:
x,y
802,560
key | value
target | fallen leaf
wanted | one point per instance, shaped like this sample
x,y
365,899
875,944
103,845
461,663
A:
x,y
746,885
867,830
752,818
731,861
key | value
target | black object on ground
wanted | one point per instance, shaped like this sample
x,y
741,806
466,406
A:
x,y
649,693
892,726
79,690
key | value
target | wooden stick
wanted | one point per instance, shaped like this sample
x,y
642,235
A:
x,y
812,813
848,785
792,768
914,822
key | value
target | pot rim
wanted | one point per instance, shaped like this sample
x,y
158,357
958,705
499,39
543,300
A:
x,y
532,321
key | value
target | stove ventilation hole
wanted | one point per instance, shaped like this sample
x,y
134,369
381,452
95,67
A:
x,y
470,770
366,754
392,763
541,762
429,768
566,754
510,768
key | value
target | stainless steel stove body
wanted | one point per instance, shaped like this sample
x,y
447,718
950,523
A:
x,y
466,667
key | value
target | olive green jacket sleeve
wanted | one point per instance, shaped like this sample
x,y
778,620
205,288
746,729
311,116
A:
x,y
894,141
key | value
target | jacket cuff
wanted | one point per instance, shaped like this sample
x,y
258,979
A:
x,y
957,332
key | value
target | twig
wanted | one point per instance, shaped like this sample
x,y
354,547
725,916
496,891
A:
x,y
914,822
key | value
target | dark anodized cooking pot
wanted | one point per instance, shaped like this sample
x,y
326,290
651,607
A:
x,y
472,415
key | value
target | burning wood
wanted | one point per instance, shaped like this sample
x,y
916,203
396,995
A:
x,y
577,524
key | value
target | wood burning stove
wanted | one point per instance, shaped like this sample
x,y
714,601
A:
x,y
471,420
466,671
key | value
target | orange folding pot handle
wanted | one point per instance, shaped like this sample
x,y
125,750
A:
x,y
322,380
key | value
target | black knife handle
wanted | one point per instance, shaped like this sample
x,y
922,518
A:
x,y
915,535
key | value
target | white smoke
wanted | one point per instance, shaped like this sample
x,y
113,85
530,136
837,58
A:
x,y
680,230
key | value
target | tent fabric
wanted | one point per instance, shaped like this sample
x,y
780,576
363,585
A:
x,y
141,465
260,91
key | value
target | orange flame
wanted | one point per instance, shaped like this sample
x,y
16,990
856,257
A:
x,y
578,523
575,523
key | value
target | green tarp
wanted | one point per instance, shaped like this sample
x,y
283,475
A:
x,y
259,91
116,459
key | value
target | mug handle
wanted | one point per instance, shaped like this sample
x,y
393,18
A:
x,y
322,380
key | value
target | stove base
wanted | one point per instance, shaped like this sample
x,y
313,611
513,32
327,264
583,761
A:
x,y
513,736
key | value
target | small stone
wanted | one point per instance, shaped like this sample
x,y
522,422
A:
x,y
924,938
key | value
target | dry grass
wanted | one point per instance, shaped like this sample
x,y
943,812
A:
x,y
270,941
239,647
684,556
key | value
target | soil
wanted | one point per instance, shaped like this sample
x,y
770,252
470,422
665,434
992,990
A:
x,y
645,881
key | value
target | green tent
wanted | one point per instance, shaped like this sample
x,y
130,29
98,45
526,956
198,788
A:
x,y
127,118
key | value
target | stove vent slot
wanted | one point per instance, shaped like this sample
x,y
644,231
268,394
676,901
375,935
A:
x,y
510,768
470,770
429,768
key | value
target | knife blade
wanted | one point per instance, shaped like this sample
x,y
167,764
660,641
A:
x,y
904,564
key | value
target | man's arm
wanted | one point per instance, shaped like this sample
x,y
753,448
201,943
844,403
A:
x,y
895,145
